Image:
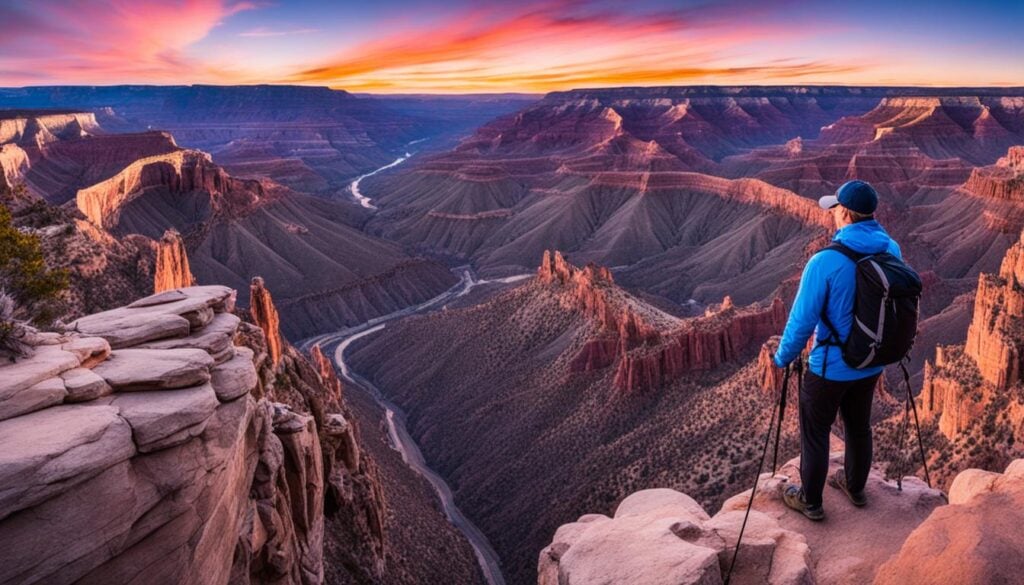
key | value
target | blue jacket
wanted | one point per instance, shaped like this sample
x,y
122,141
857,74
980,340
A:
x,y
830,269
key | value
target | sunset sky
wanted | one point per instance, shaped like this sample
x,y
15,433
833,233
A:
x,y
406,46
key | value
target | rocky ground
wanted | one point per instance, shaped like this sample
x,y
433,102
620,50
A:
x,y
168,441
911,536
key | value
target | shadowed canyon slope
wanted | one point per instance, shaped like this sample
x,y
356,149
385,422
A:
x,y
668,185
233,228
568,392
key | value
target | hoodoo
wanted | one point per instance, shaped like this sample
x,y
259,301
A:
x,y
172,270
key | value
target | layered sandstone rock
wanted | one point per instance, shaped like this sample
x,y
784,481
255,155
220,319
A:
x,y
264,314
663,536
965,381
655,348
700,344
40,127
205,477
353,500
172,270
182,173
1003,180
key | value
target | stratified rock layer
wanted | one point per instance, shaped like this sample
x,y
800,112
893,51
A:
x,y
171,463
973,390
655,348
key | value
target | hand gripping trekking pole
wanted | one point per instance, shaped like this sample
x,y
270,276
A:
x,y
764,453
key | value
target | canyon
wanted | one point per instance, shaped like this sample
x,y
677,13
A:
x,y
568,301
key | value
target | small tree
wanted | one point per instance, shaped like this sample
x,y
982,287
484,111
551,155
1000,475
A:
x,y
24,275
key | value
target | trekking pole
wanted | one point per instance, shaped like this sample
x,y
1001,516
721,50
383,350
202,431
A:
x,y
917,422
760,464
901,469
798,368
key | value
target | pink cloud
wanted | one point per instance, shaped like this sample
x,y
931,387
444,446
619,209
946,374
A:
x,y
568,44
94,41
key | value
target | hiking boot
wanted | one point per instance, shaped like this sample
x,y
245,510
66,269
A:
x,y
838,480
794,498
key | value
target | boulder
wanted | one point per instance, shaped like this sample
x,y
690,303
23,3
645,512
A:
x,y
155,369
661,536
45,453
236,376
975,539
83,384
90,350
127,328
163,419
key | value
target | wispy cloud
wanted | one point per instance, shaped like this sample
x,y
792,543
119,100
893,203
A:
x,y
266,32
126,40
566,44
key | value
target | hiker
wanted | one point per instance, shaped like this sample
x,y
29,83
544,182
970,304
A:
x,y
825,305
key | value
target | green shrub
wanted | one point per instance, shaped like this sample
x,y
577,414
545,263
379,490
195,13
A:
x,y
24,275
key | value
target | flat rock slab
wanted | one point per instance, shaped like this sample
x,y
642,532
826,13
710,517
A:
x,y
47,452
83,384
214,338
46,361
235,377
168,314
21,390
213,296
155,369
125,327
162,419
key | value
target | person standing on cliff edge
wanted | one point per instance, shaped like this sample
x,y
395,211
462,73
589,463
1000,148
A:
x,y
824,305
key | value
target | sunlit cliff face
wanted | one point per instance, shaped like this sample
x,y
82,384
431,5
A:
x,y
423,45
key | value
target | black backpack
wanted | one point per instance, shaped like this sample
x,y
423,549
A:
x,y
885,310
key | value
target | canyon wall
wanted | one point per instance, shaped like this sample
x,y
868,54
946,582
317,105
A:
x,y
1003,180
169,410
40,127
655,348
973,391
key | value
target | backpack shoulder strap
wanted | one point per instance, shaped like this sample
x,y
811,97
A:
x,y
845,251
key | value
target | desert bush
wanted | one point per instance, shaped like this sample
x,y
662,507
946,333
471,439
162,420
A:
x,y
34,288
12,329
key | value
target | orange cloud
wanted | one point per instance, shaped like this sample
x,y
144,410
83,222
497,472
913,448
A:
x,y
558,47
90,40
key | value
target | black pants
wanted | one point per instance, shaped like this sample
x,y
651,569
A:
x,y
820,399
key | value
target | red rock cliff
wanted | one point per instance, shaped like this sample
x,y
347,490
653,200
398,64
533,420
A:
x,y
965,381
700,344
172,269
651,347
1003,180
264,314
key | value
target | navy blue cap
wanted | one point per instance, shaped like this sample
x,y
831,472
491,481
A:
x,y
855,195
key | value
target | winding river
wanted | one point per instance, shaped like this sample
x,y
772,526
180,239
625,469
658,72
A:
x,y
398,434
353,188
